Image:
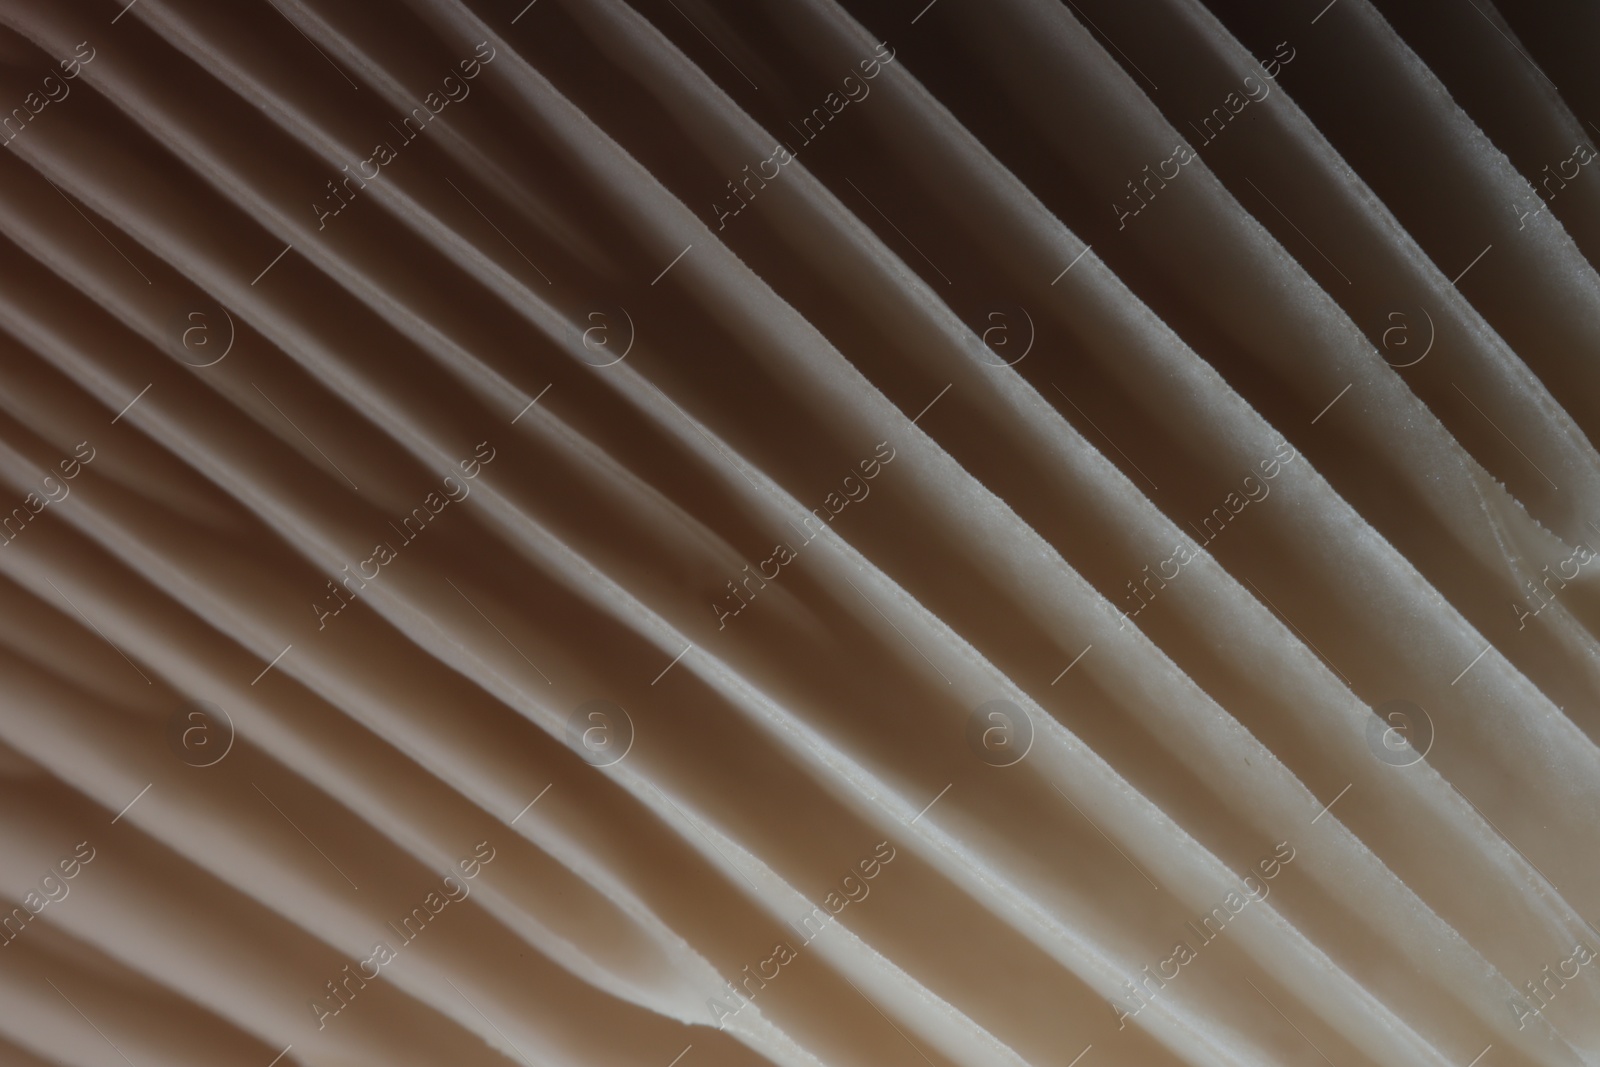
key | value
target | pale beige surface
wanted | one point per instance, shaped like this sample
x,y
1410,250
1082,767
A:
x,y
614,570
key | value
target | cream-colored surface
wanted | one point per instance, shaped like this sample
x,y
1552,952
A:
x,y
795,533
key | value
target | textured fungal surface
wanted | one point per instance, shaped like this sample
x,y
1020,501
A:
x,y
799,533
